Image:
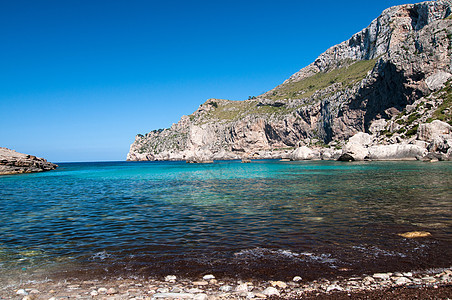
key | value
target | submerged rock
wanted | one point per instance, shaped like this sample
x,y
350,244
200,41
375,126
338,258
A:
x,y
415,234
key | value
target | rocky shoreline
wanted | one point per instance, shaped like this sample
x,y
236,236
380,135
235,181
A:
x,y
12,162
390,84
403,284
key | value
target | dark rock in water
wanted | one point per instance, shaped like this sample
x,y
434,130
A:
x,y
12,162
346,157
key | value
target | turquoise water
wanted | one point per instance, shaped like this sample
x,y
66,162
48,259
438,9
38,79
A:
x,y
266,219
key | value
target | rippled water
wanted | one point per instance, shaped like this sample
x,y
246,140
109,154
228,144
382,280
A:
x,y
266,219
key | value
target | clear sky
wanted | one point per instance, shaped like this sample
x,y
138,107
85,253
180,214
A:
x,y
79,79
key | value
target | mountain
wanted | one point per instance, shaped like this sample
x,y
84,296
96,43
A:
x,y
389,83
12,162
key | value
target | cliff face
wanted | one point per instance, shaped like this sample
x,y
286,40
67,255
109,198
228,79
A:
x,y
385,81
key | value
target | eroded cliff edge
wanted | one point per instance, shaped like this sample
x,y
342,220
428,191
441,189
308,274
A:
x,y
12,162
390,82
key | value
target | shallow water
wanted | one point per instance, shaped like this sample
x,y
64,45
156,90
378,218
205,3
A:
x,y
262,220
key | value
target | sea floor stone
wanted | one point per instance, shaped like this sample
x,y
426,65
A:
x,y
173,296
271,291
415,234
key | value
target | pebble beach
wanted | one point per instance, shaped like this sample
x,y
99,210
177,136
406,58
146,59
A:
x,y
428,284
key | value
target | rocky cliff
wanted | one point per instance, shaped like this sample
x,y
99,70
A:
x,y
12,162
386,81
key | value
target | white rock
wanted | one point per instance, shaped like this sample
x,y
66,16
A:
x,y
304,153
201,297
193,291
384,276
330,154
170,278
173,296
361,138
177,289
102,290
396,152
402,280
421,144
429,131
436,81
163,290
333,287
271,291
242,288
357,151
280,284
297,278
407,274
94,293
208,277
225,288
22,292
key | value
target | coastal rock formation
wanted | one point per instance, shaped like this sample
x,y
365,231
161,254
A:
x,y
12,162
386,81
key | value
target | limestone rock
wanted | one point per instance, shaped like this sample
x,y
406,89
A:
x,y
361,138
304,153
208,277
356,147
402,280
170,278
271,291
437,80
12,162
402,57
429,131
396,152
173,296
241,288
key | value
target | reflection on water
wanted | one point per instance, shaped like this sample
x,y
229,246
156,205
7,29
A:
x,y
268,218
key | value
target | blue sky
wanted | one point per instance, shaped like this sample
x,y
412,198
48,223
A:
x,y
79,79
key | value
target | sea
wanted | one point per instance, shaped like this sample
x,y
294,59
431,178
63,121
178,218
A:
x,y
262,220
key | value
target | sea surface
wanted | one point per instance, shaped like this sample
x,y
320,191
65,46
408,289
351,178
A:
x,y
261,220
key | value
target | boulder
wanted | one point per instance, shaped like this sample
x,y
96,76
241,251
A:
x,y
304,153
330,154
437,80
439,144
361,138
429,131
396,152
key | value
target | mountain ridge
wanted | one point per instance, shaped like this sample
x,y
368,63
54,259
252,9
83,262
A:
x,y
363,84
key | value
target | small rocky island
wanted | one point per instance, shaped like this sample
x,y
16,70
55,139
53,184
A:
x,y
12,162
